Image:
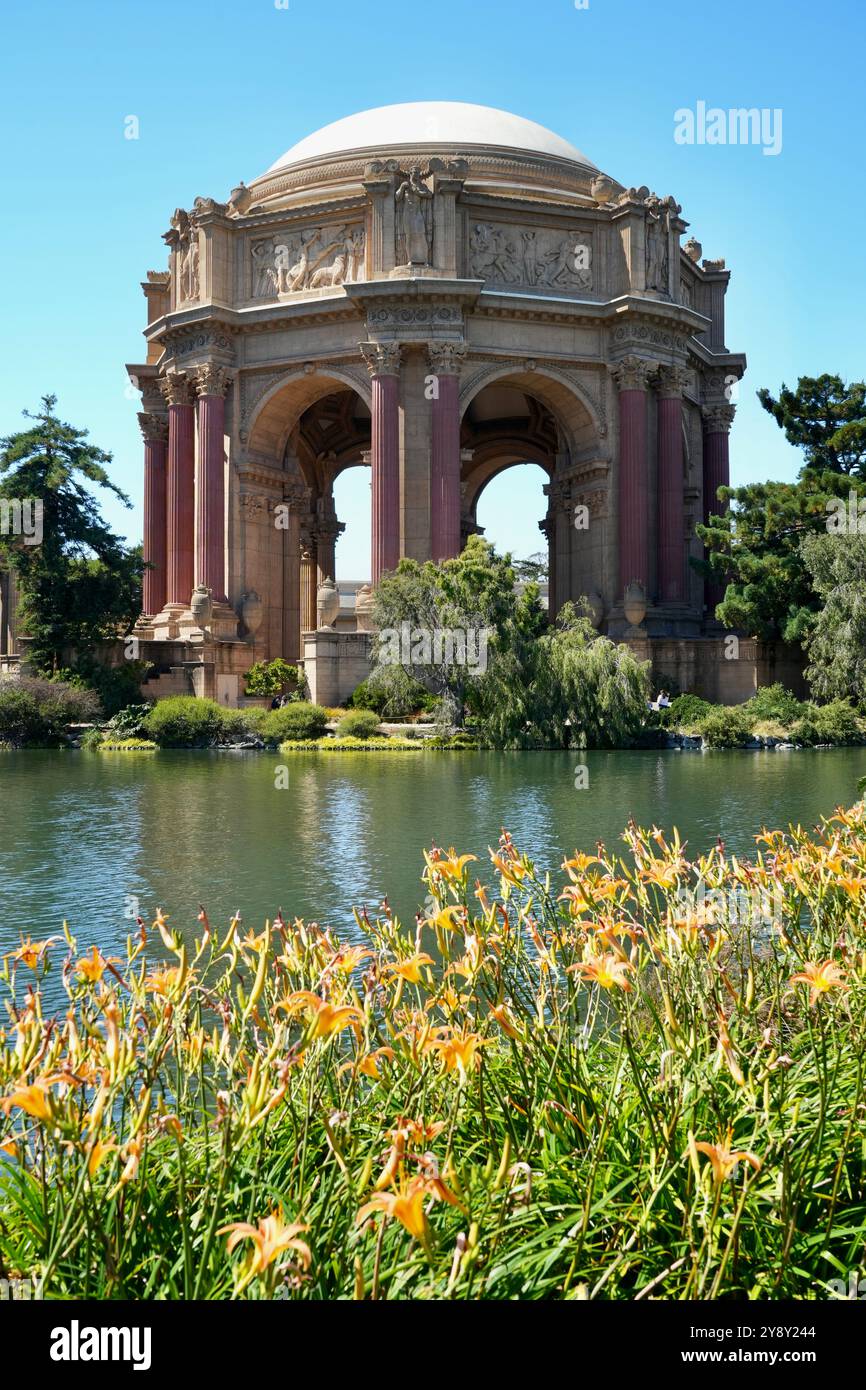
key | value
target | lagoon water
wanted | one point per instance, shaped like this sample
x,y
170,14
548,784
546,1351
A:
x,y
96,837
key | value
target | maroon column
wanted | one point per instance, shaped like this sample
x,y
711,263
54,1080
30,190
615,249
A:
x,y
384,364
671,509
446,360
631,378
210,562
155,431
716,473
180,488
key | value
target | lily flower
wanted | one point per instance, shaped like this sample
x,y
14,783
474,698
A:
x,y
821,978
608,971
411,969
724,1159
325,1017
270,1238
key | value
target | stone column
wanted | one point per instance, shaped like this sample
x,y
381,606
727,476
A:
x,y
631,376
446,361
547,527
155,432
180,488
383,361
309,580
670,382
716,473
297,501
211,383
327,532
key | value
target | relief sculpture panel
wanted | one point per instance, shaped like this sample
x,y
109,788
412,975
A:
x,y
310,259
530,256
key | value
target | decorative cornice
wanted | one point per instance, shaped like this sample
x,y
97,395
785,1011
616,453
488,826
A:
x,y
176,387
718,418
383,359
211,380
446,359
632,373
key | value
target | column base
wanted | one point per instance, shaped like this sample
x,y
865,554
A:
x,y
165,626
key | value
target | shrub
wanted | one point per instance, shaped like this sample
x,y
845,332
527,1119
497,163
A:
x,y
358,723
130,721
275,677
726,726
184,721
775,703
836,722
295,721
35,711
684,712
241,724
392,692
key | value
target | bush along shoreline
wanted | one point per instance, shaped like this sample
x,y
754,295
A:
x,y
40,713
641,1078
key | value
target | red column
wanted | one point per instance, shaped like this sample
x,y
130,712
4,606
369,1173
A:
x,y
671,510
716,473
155,432
446,360
181,487
631,378
210,563
384,364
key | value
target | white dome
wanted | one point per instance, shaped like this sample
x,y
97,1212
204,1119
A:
x,y
455,124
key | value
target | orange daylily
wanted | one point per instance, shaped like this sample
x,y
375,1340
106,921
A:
x,y
98,1152
460,1053
31,952
270,1238
608,971
325,1017
411,969
91,968
724,1159
33,1100
450,865
821,977
405,1205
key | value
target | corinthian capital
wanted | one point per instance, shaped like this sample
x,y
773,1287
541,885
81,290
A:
x,y
446,359
671,382
383,359
154,428
632,373
718,418
176,387
211,380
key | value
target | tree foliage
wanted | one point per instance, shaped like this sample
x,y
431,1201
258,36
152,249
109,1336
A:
x,y
826,418
81,584
755,550
836,565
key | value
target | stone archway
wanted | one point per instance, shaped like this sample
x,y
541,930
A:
x,y
302,431
516,415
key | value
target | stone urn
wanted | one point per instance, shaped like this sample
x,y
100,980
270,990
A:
x,y
595,604
364,608
693,250
252,611
602,188
327,604
201,606
635,603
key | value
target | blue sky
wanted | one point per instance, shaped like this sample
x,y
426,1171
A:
x,y
222,87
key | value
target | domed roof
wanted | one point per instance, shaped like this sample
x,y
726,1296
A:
x,y
455,125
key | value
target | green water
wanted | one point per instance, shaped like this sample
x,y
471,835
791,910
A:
x,y
92,837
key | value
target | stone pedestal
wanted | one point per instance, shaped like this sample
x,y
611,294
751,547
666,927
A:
x,y
334,663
